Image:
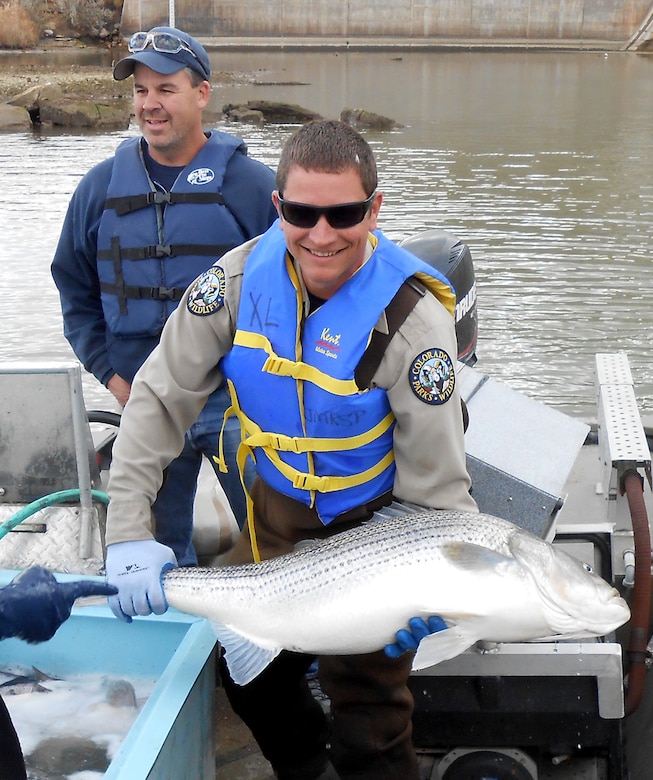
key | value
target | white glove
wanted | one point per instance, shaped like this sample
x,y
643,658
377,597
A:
x,y
136,569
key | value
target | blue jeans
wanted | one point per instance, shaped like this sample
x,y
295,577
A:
x,y
173,508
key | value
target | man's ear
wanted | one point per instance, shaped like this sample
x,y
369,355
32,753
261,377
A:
x,y
374,210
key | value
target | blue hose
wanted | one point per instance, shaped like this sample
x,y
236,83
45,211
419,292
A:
x,y
60,497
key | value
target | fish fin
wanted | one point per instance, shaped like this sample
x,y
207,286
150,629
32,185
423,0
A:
x,y
466,555
441,646
245,659
42,676
306,544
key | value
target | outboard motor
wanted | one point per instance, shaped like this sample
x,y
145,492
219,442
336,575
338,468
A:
x,y
452,258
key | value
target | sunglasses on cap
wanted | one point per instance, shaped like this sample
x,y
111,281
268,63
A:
x,y
341,216
163,42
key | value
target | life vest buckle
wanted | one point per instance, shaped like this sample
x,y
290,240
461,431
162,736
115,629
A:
x,y
284,443
165,293
158,250
157,197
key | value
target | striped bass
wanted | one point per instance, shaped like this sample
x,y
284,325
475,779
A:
x,y
350,593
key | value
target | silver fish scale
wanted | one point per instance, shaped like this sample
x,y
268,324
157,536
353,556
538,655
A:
x,y
350,593
389,541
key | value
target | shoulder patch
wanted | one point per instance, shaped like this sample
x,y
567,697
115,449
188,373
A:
x,y
206,294
431,376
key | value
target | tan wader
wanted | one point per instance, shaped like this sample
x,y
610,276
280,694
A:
x,y
370,725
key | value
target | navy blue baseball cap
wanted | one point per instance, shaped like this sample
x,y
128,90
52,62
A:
x,y
165,50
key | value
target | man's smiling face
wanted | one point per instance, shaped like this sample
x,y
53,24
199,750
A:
x,y
168,109
327,256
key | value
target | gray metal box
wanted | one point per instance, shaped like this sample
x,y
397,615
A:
x,y
519,452
45,438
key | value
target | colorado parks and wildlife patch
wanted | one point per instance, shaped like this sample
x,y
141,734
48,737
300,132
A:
x,y
206,294
431,376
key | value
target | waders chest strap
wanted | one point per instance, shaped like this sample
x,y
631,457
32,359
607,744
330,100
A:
x,y
396,312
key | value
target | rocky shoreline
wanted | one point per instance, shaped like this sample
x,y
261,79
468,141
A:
x,y
78,80
73,95
26,87
87,97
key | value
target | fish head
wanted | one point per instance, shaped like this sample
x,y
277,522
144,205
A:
x,y
576,601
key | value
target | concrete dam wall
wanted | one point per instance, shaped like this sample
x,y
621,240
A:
x,y
607,24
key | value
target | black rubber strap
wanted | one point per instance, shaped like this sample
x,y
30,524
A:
x,y
166,250
396,312
150,293
128,203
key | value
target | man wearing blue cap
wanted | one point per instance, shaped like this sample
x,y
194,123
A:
x,y
177,47
140,227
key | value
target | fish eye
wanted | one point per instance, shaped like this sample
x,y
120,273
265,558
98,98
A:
x,y
587,567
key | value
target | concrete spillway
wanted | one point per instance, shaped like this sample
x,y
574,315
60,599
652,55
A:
x,y
576,24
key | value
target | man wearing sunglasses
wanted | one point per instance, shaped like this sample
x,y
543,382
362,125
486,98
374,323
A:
x,y
297,313
140,227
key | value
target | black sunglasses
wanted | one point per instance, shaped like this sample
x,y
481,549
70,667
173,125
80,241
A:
x,y
344,215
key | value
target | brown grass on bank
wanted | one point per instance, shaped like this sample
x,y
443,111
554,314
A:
x,y
17,30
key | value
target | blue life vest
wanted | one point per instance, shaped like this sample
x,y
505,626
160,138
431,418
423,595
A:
x,y
313,434
153,244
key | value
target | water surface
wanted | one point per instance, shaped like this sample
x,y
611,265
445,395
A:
x,y
538,160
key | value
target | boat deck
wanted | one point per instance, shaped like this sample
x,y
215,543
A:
x,y
238,757
237,754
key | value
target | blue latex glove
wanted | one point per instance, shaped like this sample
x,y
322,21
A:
x,y
34,604
136,569
410,639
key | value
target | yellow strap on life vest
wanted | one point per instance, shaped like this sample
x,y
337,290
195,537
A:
x,y
285,367
282,443
442,291
325,484
253,436
219,458
241,457
328,484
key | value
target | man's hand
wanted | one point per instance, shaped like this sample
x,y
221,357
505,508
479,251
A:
x,y
119,388
34,604
410,639
136,568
